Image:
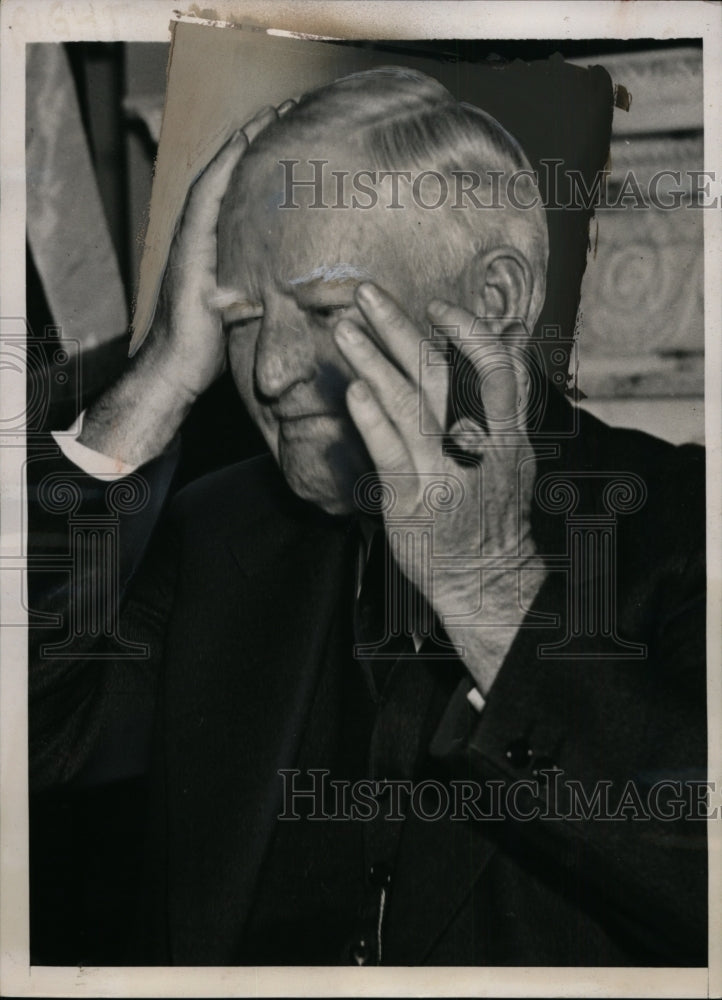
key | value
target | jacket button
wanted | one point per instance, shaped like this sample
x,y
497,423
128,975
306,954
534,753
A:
x,y
518,753
543,764
380,874
361,952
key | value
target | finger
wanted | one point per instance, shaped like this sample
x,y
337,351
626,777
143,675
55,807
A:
x,y
412,352
207,191
398,398
495,379
393,329
450,325
206,194
259,122
524,375
381,438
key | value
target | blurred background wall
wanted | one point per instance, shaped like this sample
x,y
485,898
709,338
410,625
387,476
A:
x,y
641,324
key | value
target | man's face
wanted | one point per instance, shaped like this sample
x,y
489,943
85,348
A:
x,y
298,268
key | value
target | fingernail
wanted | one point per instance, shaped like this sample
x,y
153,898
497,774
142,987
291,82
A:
x,y
367,292
439,305
349,333
359,390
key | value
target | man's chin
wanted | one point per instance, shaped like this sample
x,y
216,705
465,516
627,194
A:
x,y
323,480
329,499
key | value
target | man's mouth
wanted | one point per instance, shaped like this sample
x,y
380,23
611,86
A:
x,y
290,418
306,425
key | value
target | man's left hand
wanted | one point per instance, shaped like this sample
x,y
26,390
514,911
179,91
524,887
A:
x,y
482,495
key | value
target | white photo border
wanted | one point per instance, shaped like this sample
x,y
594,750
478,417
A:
x,y
149,20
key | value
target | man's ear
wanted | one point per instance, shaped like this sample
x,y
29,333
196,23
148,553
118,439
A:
x,y
499,286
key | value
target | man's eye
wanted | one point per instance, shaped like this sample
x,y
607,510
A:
x,y
324,314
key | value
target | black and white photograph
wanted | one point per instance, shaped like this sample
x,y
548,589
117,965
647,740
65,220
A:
x,y
360,451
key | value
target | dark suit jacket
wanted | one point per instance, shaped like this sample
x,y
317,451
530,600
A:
x,y
237,597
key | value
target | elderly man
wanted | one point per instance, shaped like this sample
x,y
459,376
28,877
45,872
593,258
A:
x,y
383,730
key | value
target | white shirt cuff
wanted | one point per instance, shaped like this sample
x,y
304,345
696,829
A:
x,y
93,463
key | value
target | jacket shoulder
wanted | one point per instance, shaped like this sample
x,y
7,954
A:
x,y
673,475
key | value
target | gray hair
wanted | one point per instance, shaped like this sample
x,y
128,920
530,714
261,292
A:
x,y
401,119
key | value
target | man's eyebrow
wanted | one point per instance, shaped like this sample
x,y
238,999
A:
x,y
336,272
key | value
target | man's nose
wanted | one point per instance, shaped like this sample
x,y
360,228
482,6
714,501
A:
x,y
284,354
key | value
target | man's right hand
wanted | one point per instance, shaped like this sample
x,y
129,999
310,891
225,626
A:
x,y
185,350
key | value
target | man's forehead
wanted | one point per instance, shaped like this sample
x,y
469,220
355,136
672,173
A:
x,y
303,245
